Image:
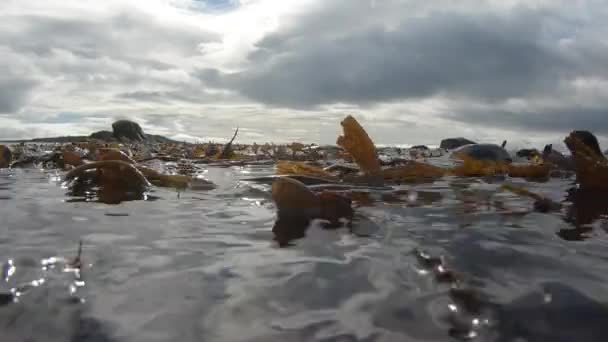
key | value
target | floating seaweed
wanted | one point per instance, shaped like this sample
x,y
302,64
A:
x,y
413,172
301,168
591,167
227,152
297,206
361,147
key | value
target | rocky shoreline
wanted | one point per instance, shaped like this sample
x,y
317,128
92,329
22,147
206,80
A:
x,y
123,131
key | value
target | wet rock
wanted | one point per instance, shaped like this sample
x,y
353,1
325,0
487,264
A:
x,y
125,129
528,153
453,143
5,156
557,158
420,147
483,152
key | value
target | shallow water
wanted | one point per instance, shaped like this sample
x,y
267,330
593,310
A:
x,y
202,266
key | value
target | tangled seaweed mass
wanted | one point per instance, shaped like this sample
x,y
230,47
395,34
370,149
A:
x,y
325,186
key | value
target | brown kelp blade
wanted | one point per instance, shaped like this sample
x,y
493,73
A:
x,y
534,171
360,146
72,158
413,172
227,151
297,205
591,169
117,169
169,181
301,168
113,154
293,197
153,176
335,207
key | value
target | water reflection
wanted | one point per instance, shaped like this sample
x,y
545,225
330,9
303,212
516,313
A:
x,y
202,266
540,315
587,206
44,301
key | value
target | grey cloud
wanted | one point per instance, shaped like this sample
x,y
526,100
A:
x,y
59,118
559,121
191,95
103,56
8,133
488,56
125,35
329,59
14,93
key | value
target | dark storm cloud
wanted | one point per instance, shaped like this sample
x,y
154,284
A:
x,y
488,57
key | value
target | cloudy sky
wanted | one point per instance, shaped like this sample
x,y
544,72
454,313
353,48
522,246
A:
x,y
412,71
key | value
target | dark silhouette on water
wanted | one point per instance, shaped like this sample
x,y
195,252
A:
x,y
453,143
227,150
588,205
590,141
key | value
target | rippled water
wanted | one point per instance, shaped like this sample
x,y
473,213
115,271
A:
x,y
202,266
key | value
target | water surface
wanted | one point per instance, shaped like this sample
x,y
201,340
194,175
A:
x,y
202,266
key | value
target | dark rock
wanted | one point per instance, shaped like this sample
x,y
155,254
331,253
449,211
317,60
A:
x,y
420,147
528,153
557,158
483,152
125,129
452,143
103,135
159,139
